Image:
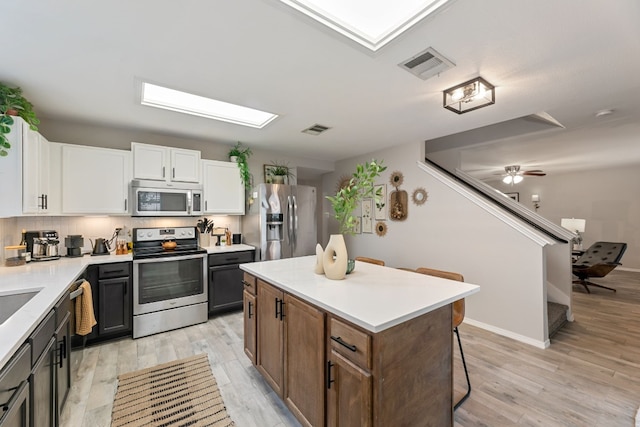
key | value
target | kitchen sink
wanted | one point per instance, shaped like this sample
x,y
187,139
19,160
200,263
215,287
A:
x,y
11,303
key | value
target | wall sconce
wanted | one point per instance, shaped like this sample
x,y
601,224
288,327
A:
x,y
469,96
535,198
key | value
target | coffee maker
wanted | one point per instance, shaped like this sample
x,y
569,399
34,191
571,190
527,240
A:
x,y
74,244
42,244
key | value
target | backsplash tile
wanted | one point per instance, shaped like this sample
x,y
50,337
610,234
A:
x,y
92,227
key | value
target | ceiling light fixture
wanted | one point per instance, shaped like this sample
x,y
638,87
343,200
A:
x,y
183,102
469,96
512,175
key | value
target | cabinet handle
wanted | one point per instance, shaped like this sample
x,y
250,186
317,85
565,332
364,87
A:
x,y
279,308
342,343
163,171
125,205
46,201
205,205
329,380
249,309
62,351
244,282
173,172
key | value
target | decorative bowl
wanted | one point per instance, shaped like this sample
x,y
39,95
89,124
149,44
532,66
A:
x,y
351,264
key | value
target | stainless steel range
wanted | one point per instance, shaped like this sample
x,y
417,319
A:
x,y
169,280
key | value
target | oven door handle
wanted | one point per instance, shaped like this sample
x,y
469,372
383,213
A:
x,y
169,258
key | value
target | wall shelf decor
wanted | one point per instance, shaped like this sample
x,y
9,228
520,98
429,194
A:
x,y
419,196
398,205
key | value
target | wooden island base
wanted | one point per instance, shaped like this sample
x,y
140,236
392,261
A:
x,y
332,372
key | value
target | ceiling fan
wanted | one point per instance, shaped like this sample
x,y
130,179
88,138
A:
x,y
514,174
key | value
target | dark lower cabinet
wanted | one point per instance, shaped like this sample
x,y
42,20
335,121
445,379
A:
x,y
42,388
62,365
114,309
225,280
112,291
14,389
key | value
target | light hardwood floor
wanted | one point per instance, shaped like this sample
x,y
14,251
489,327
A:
x,y
590,376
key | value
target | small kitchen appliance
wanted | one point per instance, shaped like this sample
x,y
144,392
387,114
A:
x,y
43,245
169,280
100,246
74,244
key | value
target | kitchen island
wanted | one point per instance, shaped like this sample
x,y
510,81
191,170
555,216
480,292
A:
x,y
374,349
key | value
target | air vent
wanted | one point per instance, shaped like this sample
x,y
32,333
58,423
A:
x,y
426,64
316,129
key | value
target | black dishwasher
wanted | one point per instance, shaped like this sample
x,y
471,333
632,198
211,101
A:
x,y
225,280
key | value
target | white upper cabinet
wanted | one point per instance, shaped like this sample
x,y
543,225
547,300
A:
x,y
222,187
95,180
35,172
24,173
167,164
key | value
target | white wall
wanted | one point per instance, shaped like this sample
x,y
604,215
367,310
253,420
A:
x,y
452,232
609,200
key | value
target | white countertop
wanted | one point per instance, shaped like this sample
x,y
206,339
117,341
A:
x,y
52,278
230,248
373,297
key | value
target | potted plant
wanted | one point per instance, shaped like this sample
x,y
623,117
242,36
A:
x,y
360,186
278,172
240,155
12,103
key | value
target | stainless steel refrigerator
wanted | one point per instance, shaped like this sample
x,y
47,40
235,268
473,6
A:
x,y
281,222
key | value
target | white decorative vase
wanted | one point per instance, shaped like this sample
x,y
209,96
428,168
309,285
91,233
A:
x,y
319,268
335,268
233,159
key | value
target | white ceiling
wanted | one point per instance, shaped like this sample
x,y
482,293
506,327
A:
x,y
84,61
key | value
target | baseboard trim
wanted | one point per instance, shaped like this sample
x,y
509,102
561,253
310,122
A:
x,y
509,334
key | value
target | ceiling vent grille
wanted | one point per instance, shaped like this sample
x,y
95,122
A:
x,y
316,129
426,64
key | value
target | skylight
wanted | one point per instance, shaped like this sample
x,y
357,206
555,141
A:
x,y
372,23
182,102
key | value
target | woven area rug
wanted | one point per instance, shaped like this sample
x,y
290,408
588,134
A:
x,y
179,393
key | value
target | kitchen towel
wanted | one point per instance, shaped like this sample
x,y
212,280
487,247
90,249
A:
x,y
85,317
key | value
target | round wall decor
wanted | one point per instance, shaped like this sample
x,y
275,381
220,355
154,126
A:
x,y
381,228
419,196
396,179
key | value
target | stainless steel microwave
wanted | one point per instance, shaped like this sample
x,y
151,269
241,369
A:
x,y
152,198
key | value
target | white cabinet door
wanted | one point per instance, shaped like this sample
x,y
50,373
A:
x,y
223,189
149,161
35,172
11,174
185,165
95,180
168,164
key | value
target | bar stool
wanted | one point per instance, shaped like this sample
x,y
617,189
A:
x,y
457,318
370,260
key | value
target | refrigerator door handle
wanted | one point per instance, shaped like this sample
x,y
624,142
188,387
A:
x,y
290,220
295,222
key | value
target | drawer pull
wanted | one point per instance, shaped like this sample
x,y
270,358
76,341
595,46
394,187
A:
x,y
244,282
249,309
342,343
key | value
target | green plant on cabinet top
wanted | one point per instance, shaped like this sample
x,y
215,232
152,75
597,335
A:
x,y
242,155
360,186
12,103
